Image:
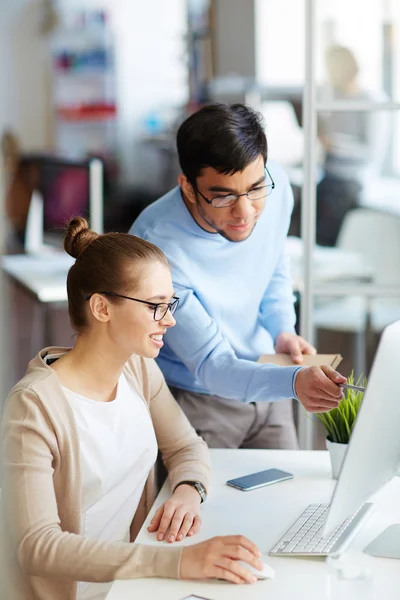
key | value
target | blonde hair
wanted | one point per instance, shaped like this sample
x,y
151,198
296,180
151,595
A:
x,y
341,65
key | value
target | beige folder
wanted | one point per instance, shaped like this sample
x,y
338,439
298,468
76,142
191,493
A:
x,y
309,360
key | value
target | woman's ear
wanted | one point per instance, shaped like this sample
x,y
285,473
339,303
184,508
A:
x,y
100,308
187,188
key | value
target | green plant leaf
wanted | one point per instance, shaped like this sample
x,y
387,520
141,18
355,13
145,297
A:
x,y
339,422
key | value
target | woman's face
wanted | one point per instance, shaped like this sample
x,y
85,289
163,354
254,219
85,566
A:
x,y
132,326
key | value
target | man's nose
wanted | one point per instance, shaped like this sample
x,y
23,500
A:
x,y
243,208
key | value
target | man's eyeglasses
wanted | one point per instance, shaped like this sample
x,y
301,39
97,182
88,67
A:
x,y
160,308
258,193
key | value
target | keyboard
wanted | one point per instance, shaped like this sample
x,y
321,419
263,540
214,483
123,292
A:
x,y
303,538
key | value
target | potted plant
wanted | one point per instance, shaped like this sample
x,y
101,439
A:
x,y
339,423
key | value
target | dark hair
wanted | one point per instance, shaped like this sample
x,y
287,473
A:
x,y
225,137
109,262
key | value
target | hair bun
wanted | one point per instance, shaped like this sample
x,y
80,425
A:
x,y
78,236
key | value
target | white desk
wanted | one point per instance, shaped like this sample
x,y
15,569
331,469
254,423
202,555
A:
x,y
263,515
44,278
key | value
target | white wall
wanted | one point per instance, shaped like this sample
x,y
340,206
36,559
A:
x,y
24,98
151,68
233,38
279,42
280,30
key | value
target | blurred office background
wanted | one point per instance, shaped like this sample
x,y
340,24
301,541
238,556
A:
x,y
112,81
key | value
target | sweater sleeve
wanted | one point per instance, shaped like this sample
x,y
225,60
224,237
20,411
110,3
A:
x,y
184,453
199,344
42,545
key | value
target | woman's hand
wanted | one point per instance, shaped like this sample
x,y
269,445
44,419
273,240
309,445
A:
x,y
181,514
218,557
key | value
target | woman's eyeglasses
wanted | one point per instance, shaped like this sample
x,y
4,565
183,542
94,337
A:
x,y
160,308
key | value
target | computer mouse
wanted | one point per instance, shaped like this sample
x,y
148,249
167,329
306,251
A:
x,y
267,572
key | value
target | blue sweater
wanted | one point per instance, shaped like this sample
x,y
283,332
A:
x,y
235,298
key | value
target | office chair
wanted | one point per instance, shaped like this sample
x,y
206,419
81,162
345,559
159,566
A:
x,y
375,235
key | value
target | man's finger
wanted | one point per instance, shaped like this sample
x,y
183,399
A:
x,y
328,391
307,348
333,375
320,405
295,351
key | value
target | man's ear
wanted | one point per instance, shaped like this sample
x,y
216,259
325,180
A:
x,y
100,308
187,188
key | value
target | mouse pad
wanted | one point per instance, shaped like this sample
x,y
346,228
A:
x,y
387,544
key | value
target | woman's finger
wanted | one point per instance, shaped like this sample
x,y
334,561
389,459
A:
x,y
235,569
197,523
176,523
155,522
188,521
165,522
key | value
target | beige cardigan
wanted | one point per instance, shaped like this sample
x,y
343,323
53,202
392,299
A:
x,y
45,555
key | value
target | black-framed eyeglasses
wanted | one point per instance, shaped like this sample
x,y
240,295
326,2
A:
x,y
258,193
160,308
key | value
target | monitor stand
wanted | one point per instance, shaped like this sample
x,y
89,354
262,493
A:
x,y
387,544
34,225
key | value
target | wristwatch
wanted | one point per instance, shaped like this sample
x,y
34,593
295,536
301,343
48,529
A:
x,y
199,487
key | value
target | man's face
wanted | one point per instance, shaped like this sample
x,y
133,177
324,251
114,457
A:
x,y
235,222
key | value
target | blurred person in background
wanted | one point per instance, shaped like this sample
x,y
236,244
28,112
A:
x,y
80,434
355,144
223,229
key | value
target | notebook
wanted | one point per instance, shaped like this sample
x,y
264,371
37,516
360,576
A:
x,y
309,360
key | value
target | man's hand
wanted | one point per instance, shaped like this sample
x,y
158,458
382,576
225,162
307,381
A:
x,y
296,346
180,514
318,389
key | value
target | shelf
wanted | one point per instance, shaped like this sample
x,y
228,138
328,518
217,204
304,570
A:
x,y
86,113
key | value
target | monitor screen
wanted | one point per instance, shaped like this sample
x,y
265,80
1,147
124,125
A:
x,y
373,455
65,189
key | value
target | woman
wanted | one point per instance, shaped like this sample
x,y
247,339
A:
x,y
80,436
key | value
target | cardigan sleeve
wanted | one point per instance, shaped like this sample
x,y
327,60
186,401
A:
x,y
184,453
42,547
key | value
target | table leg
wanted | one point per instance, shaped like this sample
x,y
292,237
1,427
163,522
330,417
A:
x,y
38,332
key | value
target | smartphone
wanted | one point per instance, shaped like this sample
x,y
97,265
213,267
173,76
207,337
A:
x,y
257,480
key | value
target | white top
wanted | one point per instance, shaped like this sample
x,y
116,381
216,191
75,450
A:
x,y
118,448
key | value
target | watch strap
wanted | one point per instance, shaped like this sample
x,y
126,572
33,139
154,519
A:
x,y
198,486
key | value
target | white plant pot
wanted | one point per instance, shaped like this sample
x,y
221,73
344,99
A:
x,y
337,453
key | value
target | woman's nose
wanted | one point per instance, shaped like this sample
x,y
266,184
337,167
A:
x,y
168,320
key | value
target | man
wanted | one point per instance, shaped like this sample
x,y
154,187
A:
x,y
355,144
224,230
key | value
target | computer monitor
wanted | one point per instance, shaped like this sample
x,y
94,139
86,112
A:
x,y
66,189
373,455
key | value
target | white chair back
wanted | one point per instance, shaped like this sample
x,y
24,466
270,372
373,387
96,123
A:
x,y
376,235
